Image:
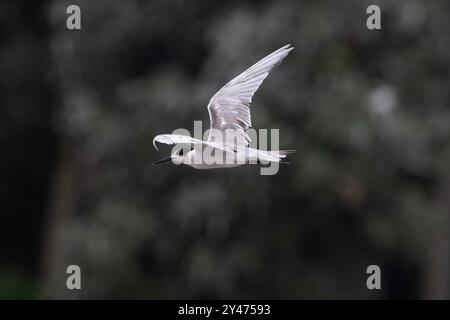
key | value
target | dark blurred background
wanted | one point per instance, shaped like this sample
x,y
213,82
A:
x,y
367,111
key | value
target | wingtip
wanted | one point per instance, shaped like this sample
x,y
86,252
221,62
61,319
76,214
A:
x,y
154,144
286,49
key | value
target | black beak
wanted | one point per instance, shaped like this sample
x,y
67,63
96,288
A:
x,y
166,159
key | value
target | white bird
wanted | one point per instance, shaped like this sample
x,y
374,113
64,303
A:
x,y
230,118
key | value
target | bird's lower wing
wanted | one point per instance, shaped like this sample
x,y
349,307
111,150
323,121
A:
x,y
181,139
265,155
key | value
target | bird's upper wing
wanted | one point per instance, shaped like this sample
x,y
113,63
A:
x,y
181,139
229,107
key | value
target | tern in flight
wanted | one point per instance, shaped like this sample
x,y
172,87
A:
x,y
229,116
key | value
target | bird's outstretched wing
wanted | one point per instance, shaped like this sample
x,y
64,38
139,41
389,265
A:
x,y
229,107
181,139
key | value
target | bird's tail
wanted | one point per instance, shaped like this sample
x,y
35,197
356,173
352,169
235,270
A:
x,y
285,153
281,154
